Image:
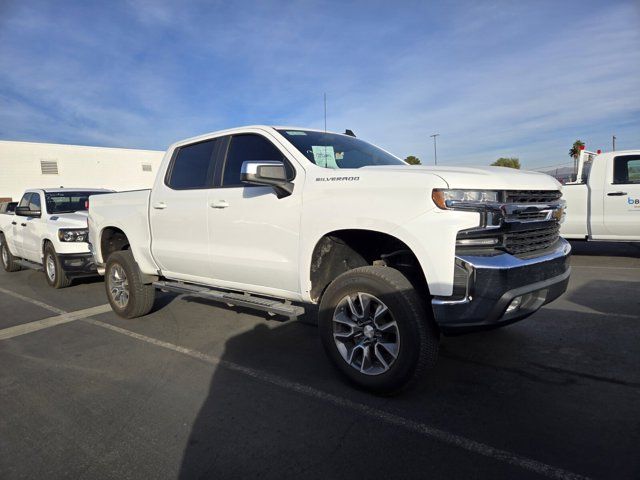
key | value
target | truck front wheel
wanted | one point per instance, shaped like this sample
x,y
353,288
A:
x,y
376,330
128,295
8,260
55,274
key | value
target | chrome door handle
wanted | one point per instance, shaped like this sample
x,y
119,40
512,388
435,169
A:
x,y
219,204
160,206
616,194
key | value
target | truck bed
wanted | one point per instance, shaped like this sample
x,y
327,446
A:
x,y
117,210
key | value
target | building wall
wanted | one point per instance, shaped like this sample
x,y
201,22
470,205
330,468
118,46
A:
x,y
22,164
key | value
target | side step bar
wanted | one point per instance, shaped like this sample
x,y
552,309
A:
x,y
272,307
29,264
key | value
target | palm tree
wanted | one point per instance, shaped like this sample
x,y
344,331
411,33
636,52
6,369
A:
x,y
575,149
574,153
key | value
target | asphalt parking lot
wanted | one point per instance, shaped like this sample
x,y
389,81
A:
x,y
196,390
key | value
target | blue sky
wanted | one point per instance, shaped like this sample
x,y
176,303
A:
x,y
492,78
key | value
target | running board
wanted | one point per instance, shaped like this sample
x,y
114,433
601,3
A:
x,y
272,307
29,264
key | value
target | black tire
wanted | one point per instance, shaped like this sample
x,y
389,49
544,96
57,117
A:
x,y
414,328
140,297
6,257
53,271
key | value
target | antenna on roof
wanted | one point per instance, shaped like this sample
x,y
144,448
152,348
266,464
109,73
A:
x,y
349,132
325,112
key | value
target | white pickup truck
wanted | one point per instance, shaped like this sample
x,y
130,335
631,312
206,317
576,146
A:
x,y
53,238
393,254
603,203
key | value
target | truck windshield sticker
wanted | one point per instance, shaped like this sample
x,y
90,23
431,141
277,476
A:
x,y
324,156
293,132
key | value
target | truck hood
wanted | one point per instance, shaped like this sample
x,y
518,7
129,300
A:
x,y
69,220
486,178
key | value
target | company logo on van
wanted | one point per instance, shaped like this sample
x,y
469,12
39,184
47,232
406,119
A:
x,y
634,202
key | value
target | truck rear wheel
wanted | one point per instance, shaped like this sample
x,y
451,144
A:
x,y
128,295
376,330
54,273
8,260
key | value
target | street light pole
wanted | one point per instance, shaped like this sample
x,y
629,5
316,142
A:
x,y
614,142
435,150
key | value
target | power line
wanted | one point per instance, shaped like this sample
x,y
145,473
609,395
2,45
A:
x,y
552,166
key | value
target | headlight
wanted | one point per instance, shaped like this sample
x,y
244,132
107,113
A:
x,y
73,234
452,199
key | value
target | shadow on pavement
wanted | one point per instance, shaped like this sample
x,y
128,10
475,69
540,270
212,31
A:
x,y
610,297
605,249
521,387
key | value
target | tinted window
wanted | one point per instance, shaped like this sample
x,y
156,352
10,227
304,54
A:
x,y
34,202
626,169
24,201
66,202
245,148
192,166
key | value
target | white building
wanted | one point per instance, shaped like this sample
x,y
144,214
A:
x,y
40,165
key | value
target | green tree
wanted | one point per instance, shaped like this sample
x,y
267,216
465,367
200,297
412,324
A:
x,y
574,152
413,160
511,162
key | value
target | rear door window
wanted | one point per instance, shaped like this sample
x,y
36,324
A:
x,y
192,166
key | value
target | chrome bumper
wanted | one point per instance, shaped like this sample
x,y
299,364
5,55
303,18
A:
x,y
500,289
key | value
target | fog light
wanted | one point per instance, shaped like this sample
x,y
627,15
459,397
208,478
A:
x,y
476,242
515,304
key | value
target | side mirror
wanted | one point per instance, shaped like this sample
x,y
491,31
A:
x,y
267,173
26,212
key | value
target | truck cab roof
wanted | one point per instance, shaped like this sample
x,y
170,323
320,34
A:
x,y
62,189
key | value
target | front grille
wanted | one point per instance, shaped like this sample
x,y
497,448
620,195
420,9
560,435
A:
x,y
532,239
532,196
532,216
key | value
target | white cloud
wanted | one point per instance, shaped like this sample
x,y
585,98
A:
x,y
143,74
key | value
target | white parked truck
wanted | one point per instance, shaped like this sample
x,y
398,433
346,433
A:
x,y
393,254
48,231
603,203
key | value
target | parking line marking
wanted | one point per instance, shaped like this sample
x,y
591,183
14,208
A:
x,y
605,268
464,443
65,317
33,301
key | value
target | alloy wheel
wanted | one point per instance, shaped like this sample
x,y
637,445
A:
x,y
118,286
50,266
366,334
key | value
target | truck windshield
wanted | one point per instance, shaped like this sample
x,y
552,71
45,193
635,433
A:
x,y
68,202
330,150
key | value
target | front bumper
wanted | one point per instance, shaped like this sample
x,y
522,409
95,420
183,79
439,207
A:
x,y
494,282
78,264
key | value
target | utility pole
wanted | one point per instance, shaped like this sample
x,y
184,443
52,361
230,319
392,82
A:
x,y
613,138
435,150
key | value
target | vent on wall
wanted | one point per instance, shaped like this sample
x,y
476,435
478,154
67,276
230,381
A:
x,y
49,167
146,167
